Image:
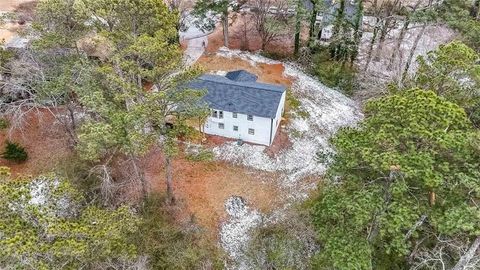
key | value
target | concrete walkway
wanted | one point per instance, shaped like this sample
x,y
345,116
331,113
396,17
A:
x,y
197,41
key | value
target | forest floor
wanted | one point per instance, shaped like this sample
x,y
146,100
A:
x,y
44,140
201,187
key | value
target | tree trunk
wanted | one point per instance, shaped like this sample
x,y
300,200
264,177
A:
x,y
385,28
417,224
475,8
338,32
313,20
357,31
298,28
402,36
381,40
467,257
398,44
169,180
412,53
432,198
387,197
225,29
140,176
73,125
372,43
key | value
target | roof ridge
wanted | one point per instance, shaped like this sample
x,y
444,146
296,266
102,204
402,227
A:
x,y
244,84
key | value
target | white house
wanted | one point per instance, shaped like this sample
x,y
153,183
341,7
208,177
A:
x,y
242,108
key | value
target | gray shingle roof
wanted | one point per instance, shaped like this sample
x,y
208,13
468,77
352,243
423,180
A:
x,y
244,97
241,76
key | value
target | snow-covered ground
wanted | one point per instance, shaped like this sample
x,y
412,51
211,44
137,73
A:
x,y
328,111
234,234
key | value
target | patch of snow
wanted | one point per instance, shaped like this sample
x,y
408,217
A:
x,y
328,111
39,192
234,235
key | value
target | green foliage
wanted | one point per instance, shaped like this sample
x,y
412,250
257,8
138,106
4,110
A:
x,y
415,155
287,244
334,73
170,247
45,224
4,123
276,55
452,71
456,14
203,7
294,106
5,55
14,152
200,154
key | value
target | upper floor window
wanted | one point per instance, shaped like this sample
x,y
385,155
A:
x,y
235,128
250,117
214,114
220,114
234,115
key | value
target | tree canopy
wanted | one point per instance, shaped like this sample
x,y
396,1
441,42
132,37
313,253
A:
x,y
407,176
46,224
452,71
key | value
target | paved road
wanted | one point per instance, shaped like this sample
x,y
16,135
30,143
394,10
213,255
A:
x,y
197,41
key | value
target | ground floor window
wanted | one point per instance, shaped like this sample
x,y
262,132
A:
x,y
251,131
221,125
235,128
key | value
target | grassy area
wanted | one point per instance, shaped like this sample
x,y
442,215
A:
x,y
294,107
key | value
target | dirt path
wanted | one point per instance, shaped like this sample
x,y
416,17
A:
x,y
11,5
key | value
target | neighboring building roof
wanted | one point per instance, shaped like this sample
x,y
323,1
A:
x,y
241,76
331,7
246,97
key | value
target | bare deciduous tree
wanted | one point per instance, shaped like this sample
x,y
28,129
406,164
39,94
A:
x,y
270,19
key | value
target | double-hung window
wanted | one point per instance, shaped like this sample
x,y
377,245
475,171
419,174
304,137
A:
x,y
250,117
221,125
251,131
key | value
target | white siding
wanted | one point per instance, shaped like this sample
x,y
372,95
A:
x,y
278,116
261,125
